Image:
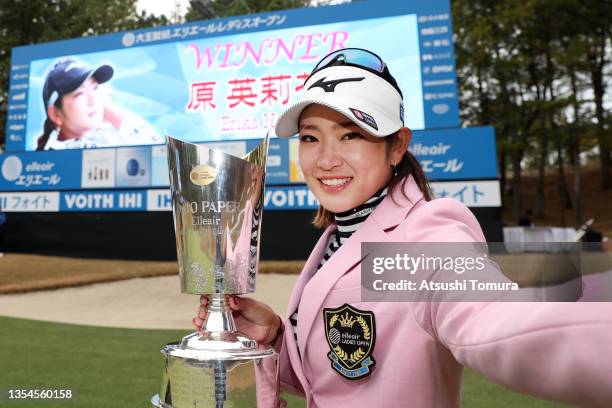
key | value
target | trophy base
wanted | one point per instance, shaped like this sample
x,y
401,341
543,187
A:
x,y
217,341
225,378
217,367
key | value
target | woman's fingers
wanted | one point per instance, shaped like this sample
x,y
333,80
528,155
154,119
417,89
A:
x,y
249,308
256,312
199,319
235,302
202,311
245,304
197,323
254,318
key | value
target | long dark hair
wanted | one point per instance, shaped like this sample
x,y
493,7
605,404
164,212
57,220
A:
x,y
48,127
408,165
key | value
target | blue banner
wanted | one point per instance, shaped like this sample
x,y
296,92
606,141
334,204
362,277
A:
x,y
40,171
449,154
289,198
456,154
438,67
85,201
277,170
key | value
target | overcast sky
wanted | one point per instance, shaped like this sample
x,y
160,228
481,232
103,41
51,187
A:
x,y
166,7
159,7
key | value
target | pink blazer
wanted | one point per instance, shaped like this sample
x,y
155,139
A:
x,y
559,351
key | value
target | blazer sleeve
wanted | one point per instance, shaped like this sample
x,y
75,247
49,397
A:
x,y
441,220
289,381
556,351
270,372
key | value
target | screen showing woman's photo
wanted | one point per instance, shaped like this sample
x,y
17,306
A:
x,y
80,112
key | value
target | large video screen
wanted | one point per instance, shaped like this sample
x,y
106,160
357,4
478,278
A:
x,y
214,81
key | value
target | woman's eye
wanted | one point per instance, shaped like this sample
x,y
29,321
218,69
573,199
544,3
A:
x,y
351,136
307,138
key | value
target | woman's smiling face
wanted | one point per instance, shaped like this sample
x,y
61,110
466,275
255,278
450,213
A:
x,y
343,165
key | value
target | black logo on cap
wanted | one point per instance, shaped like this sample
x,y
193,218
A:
x,y
329,86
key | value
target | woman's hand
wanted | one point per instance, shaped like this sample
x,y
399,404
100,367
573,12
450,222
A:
x,y
253,318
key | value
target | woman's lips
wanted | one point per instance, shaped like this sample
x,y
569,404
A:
x,y
335,184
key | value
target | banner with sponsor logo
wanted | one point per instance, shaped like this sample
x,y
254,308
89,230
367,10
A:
x,y
473,193
454,154
445,154
120,200
39,201
227,79
133,167
40,171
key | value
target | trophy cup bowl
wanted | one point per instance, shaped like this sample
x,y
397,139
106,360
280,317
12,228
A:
x,y
217,204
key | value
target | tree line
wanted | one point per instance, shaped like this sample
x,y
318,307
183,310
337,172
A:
x,y
538,70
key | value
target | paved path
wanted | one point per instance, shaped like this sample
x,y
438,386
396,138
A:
x,y
151,303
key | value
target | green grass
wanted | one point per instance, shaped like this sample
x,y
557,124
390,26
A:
x,y
109,367
104,367
478,392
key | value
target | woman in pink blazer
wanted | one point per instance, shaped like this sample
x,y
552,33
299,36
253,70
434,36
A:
x,y
337,350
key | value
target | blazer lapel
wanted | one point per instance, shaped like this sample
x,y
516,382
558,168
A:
x,y
307,271
393,210
389,213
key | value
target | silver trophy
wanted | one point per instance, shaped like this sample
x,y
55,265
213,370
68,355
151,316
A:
x,y
217,202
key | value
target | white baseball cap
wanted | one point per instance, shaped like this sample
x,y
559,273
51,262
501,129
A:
x,y
367,98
